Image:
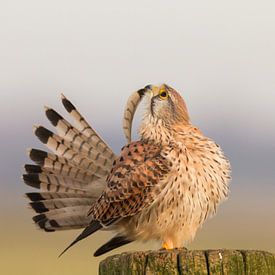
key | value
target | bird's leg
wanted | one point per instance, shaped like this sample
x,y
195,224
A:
x,y
168,244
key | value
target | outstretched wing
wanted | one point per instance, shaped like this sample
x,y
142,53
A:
x,y
133,183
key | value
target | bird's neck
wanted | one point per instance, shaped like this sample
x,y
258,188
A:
x,y
155,130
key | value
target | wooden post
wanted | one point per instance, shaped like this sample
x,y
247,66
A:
x,y
183,261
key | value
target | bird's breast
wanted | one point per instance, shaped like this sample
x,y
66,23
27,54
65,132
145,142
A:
x,y
197,183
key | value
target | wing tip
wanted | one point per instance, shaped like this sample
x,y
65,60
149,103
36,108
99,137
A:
x,y
90,229
114,243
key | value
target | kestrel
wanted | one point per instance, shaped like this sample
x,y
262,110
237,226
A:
x,y
161,187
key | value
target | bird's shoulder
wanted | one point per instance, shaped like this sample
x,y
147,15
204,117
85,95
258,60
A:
x,y
133,181
139,161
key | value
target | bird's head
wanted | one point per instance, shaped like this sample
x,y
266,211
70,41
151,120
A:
x,y
163,103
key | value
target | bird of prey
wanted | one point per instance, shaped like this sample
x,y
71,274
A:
x,y
161,187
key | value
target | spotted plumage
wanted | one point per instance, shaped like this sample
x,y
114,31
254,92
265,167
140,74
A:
x,y
161,187
133,182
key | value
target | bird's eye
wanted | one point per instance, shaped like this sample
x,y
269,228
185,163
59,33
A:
x,y
163,95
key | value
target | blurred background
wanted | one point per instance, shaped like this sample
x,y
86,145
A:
x,y
219,54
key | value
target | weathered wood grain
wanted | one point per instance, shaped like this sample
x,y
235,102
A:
x,y
191,262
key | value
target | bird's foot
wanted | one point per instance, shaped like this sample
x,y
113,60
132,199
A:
x,y
167,245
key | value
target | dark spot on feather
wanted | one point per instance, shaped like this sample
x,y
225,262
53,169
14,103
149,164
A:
x,y
54,223
68,105
33,168
32,180
53,116
38,207
127,167
119,175
135,184
43,134
35,196
38,218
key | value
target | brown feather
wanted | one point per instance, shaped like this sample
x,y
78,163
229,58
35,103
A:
x,y
130,185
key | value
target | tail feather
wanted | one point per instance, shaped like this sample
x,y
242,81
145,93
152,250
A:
x,y
34,196
53,184
58,180
83,126
61,165
72,152
30,168
41,158
70,178
51,204
61,219
68,132
58,212
63,170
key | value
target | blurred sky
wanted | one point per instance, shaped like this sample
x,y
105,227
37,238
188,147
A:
x,y
219,54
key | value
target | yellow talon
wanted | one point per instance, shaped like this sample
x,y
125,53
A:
x,y
167,245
